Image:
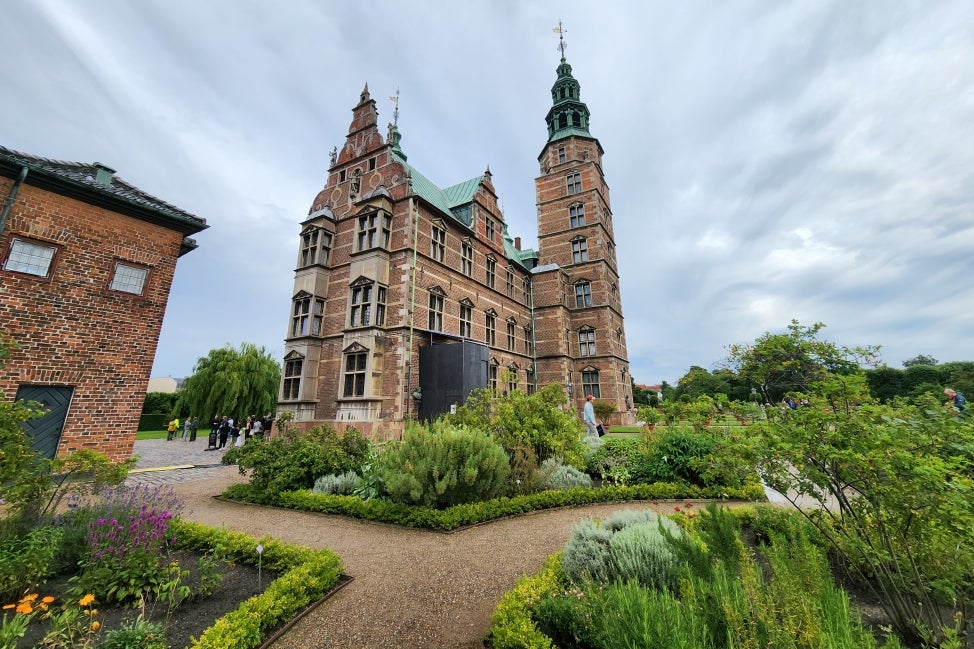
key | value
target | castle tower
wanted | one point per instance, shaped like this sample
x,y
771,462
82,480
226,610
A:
x,y
581,340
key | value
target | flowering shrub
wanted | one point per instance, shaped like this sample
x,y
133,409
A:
x,y
73,626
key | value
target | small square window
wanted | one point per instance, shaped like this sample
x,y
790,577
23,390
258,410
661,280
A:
x,y
129,279
30,258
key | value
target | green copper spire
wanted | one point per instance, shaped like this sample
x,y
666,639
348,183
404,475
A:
x,y
568,115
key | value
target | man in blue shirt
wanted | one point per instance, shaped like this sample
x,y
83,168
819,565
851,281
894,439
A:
x,y
588,416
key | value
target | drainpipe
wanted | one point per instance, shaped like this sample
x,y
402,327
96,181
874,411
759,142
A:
x,y
412,307
11,198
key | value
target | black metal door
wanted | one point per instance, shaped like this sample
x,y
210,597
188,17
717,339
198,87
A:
x,y
46,431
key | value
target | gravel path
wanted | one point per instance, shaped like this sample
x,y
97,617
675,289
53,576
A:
x,y
411,588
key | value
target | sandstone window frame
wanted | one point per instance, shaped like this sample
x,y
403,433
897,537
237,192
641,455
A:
x,y
436,298
292,372
466,257
579,250
366,298
466,317
590,382
315,247
373,230
438,241
583,294
586,341
355,364
576,215
307,313
573,182
490,327
490,268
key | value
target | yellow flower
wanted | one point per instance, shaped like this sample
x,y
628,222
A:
x,y
86,600
48,599
95,625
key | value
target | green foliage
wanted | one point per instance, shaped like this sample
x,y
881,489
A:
x,y
629,545
603,409
518,419
163,403
292,462
777,364
444,466
153,422
344,483
649,415
231,382
557,475
512,626
26,561
137,634
616,458
675,455
897,482
24,476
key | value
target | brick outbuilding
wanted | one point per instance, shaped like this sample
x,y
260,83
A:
x,y
86,264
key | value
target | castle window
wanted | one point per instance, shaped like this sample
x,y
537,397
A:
x,y
510,282
315,247
583,294
574,183
437,243
373,231
292,379
590,383
466,318
436,312
490,228
371,164
579,250
491,266
512,377
527,341
490,322
561,155
511,328
306,316
29,257
466,259
342,175
586,342
576,215
129,279
355,364
365,298
492,374
525,289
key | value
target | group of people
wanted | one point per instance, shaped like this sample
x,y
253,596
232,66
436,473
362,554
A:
x,y
189,429
224,429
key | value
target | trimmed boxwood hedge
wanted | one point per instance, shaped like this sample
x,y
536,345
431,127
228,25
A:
x,y
458,516
304,576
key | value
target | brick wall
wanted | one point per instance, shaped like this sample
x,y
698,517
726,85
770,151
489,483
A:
x,y
71,330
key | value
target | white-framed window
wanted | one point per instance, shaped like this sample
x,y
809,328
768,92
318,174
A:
x,y
373,231
576,215
437,243
366,299
579,250
492,374
511,338
574,182
306,315
527,341
466,258
512,377
586,342
510,282
491,266
466,318
30,257
292,378
436,311
490,323
590,382
583,294
129,279
315,247
354,375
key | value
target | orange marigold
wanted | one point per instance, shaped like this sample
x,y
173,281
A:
x,y
95,625
25,608
86,600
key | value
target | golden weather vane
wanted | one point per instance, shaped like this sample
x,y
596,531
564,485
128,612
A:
x,y
561,38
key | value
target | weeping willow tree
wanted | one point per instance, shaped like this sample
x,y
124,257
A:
x,y
231,382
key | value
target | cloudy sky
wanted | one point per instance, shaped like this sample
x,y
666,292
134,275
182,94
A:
x,y
766,160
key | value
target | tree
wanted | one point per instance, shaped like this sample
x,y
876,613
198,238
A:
x,y
231,382
160,403
777,364
920,359
639,396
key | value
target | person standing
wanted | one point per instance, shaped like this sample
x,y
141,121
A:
x,y
171,430
194,425
588,416
185,436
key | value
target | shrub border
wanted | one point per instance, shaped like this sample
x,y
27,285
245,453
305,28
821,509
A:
x,y
305,576
460,516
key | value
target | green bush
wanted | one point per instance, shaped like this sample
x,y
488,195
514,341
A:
x,y
444,466
518,419
616,459
674,456
154,421
557,475
27,560
294,462
138,634
344,484
629,545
